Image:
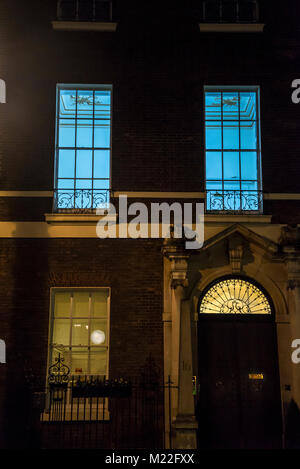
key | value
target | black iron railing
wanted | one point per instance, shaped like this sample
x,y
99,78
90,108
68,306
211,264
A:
x,y
85,10
80,200
230,11
90,412
234,201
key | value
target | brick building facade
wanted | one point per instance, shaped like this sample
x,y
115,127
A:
x,y
158,60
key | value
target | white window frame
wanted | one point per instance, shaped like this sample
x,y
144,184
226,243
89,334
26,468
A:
x,y
79,87
79,412
258,150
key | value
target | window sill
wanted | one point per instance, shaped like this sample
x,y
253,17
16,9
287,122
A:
x,y
231,27
84,26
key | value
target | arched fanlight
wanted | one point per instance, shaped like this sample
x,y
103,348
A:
x,y
234,296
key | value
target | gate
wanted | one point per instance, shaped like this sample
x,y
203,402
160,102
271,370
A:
x,y
87,412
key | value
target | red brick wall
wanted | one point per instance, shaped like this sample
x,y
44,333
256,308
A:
x,y
29,268
158,70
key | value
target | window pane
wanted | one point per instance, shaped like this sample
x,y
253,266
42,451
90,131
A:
x,y
248,105
99,303
80,332
230,103
98,335
248,135
101,164
98,362
78,360
67,103
65,183
232,185
85,104
249,165
84,164
83,184
62,304
214,185
66,133
231,135
80,304
213,165
61,332
249,185
84,133
213,135
231,165
102,133
101,184
212,105
66,165
102,104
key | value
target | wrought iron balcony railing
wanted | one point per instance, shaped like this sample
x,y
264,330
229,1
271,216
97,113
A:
x,y
80,200
230,11
85,10
234,201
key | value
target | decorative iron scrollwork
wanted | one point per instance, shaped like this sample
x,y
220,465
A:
x,y
234,201
80,200
59,373
235,296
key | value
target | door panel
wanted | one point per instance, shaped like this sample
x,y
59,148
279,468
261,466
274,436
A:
x,y
239,397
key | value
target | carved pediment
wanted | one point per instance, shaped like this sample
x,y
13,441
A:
x,y
242,234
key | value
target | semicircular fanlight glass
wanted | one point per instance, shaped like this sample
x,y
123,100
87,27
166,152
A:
x,y
234,296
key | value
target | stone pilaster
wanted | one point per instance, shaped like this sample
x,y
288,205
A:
x,y
183,415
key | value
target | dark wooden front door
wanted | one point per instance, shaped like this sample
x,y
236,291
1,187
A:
x,y
239,397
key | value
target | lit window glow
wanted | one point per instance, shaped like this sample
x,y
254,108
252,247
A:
x,y
83,135
75,314
234,296
232,150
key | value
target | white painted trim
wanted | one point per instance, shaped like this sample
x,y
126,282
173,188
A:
x,y
26,193
84,26
231,27
36,229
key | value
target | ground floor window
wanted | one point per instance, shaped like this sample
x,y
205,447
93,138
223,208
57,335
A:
x,y
79,330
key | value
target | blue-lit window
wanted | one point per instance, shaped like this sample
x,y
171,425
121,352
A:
x,y
232,150
83,147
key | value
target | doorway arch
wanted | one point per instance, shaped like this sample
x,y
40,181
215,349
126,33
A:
x,y
239,398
